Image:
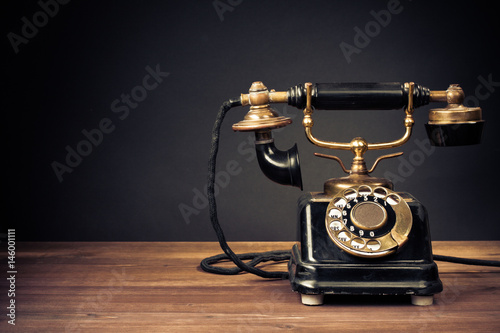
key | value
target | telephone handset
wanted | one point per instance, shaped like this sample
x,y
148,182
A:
x,y
358,235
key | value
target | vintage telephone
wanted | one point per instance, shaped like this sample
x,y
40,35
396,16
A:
x,y
358,236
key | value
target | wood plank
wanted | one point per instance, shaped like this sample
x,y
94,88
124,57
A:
x,y
159,287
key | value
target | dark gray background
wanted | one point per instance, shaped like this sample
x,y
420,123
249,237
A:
x,y
133,185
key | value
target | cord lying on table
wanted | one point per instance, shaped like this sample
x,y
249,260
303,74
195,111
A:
x,y
256,258
207,264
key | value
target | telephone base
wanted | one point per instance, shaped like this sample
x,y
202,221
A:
x,y
319,267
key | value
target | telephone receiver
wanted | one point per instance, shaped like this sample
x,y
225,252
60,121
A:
x,y
453,125
358,236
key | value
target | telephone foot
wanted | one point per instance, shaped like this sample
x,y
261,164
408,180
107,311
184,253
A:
x,y
422,300
309,299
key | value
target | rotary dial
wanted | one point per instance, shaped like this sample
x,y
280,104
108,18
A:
x,y
368,222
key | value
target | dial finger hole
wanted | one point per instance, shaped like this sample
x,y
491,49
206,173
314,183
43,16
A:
x,y
339,202
350,194
335,213
358,243
344,236
364,190
373,245
393,199
336,225
380,192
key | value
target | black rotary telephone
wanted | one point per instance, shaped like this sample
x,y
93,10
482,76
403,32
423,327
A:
x,y
358,235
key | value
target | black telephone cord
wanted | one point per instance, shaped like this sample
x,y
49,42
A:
x,y
229,254
256,258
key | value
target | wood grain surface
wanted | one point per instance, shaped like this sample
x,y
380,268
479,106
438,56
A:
x,y
159,287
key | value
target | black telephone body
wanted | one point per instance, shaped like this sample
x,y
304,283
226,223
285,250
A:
x,y
344,251
358,236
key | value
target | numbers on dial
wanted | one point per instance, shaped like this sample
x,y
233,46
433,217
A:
x,y
360,217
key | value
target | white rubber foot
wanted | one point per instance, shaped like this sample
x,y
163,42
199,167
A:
x,y
312,299
422,300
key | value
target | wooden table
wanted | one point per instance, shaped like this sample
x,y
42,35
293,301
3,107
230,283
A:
x,y
159,287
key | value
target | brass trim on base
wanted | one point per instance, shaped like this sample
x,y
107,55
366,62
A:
x,y
335,185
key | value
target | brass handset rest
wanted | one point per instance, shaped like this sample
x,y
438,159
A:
x,y
358,145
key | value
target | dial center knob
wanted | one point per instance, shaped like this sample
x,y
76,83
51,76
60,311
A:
x,y
368,215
